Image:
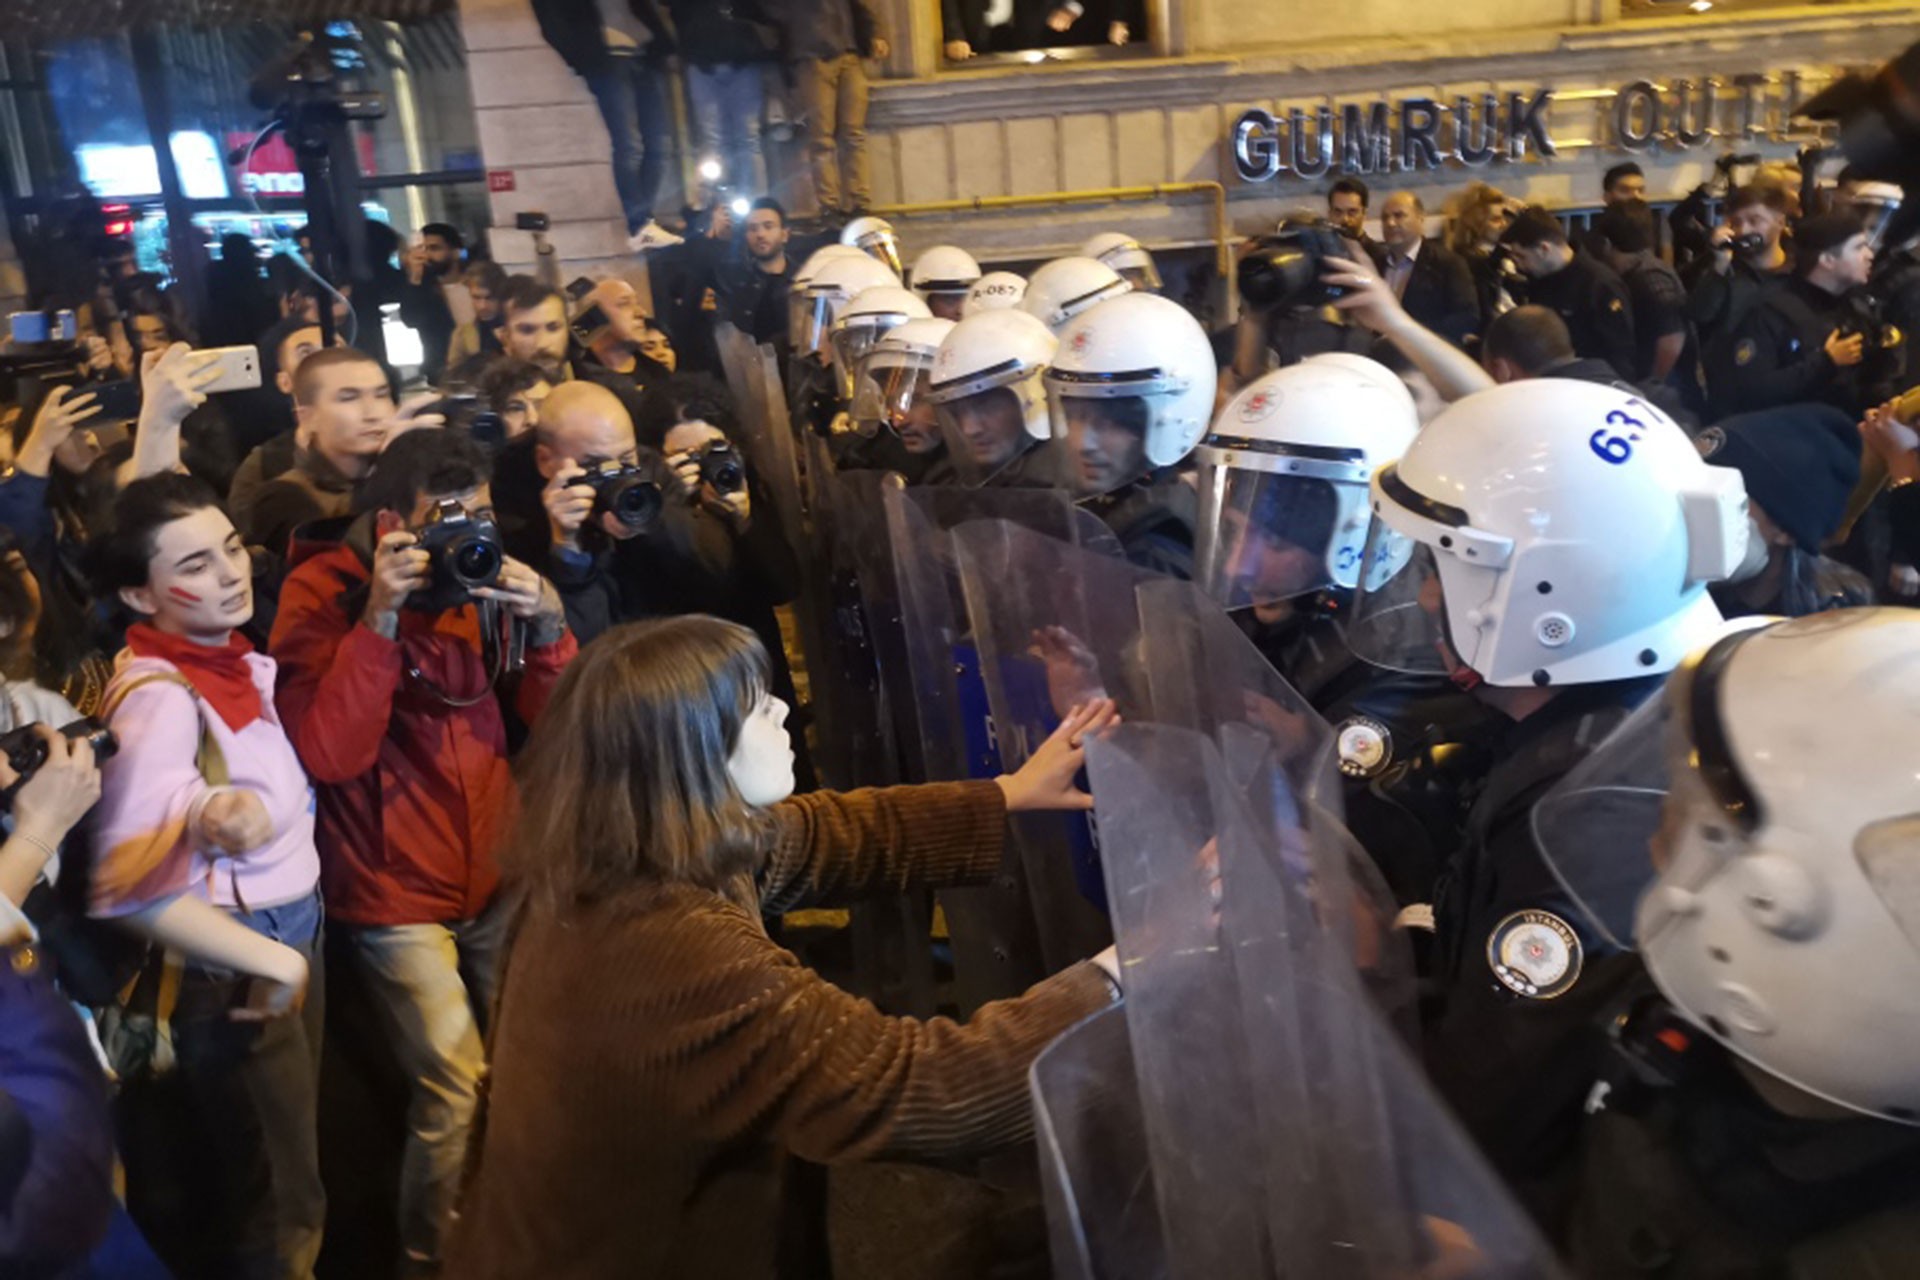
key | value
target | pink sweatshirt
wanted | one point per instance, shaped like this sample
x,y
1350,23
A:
x,y
146,849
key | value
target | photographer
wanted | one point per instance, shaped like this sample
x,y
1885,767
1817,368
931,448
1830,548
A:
x,y
391,671
1814,338
1747,262
204,843
659,1060
1286,316
572,522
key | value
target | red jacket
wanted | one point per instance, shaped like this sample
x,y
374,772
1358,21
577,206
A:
x,y
413,793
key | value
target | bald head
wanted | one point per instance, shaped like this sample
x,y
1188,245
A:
x,y
582,422
1403,220
620,303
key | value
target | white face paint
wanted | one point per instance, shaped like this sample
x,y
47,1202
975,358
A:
x,y
761,765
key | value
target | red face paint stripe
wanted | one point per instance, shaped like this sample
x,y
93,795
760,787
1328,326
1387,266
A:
x,y
181,593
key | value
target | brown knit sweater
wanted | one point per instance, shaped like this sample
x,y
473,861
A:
x,y
656,1057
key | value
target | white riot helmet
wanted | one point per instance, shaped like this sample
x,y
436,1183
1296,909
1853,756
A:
x,y
944,270
834,285
1130,390
797,301
988,388
1375,372
994,291
1757,829
892,388
1127,256
1571,529
874,237
1284,481
1063,288
863,320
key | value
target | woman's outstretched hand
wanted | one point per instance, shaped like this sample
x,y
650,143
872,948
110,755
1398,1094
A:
x,y
1045,781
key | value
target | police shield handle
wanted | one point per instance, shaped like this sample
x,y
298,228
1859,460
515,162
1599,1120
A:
x,y
1715,511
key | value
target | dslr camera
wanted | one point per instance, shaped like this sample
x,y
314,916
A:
x,y
1282,271
465,553
26,750
628,491
722,467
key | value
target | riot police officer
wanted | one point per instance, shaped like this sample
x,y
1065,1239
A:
x,y
1283,523
814,392
895,427
1586,294
1558,575
943,276
1127,256
1060,290
987,390
1817,337
1129,394
1756,1114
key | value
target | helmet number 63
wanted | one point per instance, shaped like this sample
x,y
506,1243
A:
x,y
1614,442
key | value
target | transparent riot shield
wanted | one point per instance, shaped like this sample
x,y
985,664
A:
x,y
753,376
1095,1174
940,701
1154,792
1286,1129
1056,626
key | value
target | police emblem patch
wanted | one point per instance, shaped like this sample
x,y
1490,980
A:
x,y
1710,441
1743,353
1365,746
1616,305
1259,406
1535,954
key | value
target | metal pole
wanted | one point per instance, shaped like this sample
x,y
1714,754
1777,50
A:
x,y
183,238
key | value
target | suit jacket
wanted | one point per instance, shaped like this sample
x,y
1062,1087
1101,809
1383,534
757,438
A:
x,y
1440,293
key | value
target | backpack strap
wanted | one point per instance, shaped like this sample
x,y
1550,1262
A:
x,y
210,759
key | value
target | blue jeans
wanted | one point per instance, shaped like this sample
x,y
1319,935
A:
x,y
634,108
434,985
727,102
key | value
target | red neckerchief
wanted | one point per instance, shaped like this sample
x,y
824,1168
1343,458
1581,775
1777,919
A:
x,y
220,674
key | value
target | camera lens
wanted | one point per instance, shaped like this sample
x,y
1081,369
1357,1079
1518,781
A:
x,y
724,472
635,503
475,561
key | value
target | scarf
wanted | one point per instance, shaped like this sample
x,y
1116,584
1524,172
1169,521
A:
x,y
221,675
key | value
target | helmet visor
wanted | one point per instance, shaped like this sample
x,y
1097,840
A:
x,y
1268,536
816,331
851,342
1143,275
883,247
984,431
1399,615
892,394
1105,437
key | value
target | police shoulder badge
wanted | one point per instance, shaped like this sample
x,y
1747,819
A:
x,y
1365,746
1743,352
1535,954
1710,441
1616,306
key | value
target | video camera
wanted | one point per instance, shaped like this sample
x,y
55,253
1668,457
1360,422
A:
x,y
464,551
26,750
1283,271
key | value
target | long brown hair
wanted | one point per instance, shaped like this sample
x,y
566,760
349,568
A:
x,y
625,780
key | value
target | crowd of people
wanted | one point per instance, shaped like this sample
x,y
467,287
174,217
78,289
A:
x,y
477,696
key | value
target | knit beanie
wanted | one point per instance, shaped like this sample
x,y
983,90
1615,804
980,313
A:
x,y
1801,463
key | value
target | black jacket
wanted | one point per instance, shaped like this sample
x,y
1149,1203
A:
x,y
1594,303
1440,292
574,30
724,32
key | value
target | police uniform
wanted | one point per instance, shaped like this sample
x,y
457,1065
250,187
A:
x,y
1684,1172
1153,519
1514,986
1594,303
1777,355
1410,747
884,451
